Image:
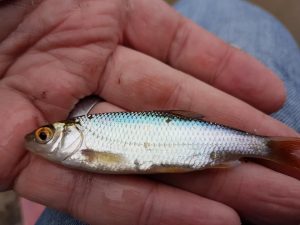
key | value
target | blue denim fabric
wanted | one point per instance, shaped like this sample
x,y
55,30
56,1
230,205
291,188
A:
x,y
256,32
240,23
53,217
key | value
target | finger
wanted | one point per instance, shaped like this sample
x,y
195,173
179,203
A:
x,y
260,195
107,199
187,46
138,82
103,107
12,12
15,116
290,171
174,39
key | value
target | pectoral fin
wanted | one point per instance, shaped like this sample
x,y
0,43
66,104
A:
x,y
102,157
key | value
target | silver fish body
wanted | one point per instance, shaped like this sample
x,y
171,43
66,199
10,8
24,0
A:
x,y
146,142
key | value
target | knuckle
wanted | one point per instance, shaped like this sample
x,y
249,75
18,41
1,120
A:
x,y
179,96
77,201
222,65
178,41
149,213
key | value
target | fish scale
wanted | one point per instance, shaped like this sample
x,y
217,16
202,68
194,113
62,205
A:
x,y
150,140
153,142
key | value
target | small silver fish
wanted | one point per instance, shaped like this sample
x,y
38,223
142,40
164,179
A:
x,y
153,142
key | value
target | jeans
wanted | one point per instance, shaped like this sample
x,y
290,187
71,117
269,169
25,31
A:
x,y
256,32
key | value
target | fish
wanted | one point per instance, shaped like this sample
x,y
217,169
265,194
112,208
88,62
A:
x,y
171,141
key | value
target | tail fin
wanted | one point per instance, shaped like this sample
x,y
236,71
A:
x,y
285,151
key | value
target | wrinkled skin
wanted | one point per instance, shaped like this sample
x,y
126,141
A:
x,y
137,55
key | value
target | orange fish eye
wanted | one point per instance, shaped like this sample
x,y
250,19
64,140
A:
x,y
43,135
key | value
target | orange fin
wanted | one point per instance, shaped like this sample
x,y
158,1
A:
x,y
285,151
185,114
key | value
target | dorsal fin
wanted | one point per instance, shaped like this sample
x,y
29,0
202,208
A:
x,y
185,114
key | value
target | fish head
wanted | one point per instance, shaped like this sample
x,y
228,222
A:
x,y
56,141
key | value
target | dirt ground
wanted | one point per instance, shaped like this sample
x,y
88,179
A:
x,y
286,11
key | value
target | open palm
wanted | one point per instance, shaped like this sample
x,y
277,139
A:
x,y
137,55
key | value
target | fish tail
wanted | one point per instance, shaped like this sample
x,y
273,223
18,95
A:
x,y
285,151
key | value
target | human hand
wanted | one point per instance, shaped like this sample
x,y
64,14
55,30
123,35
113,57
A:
x,y
137,55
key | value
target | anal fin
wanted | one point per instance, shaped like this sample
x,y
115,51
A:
x,y
228,164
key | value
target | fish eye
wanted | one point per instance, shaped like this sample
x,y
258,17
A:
x,y
43,135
